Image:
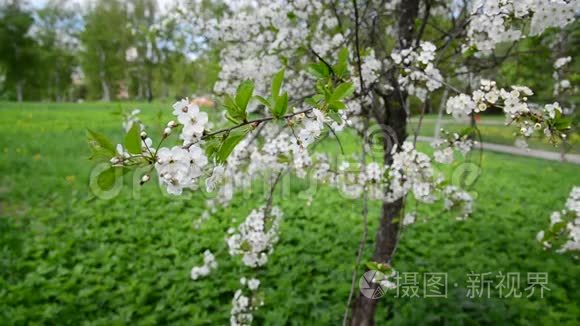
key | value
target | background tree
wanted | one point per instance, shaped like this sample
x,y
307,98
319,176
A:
x,y
55,31
105,41
19,55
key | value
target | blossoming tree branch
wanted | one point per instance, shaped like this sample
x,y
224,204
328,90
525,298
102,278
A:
x,y
295,72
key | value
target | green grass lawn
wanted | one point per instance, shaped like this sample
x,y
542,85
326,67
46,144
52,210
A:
x,y
67,259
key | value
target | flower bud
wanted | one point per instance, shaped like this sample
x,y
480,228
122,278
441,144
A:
x,y
171,124
143,135
166,132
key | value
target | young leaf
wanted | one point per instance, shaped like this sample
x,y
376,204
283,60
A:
x,y
340,68
263,101
211,147
336,105
230,143
281,106
244,94
106,179
232,119
234,113
102,141
343,91
312,102
229,103
318,70
335,116
563,123
277,84
133,140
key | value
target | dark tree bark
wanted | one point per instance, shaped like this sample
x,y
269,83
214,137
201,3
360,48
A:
x,y
393,121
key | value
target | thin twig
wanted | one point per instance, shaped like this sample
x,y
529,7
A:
x,y
335,136
256,122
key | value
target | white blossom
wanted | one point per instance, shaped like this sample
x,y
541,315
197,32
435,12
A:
x,y
209,264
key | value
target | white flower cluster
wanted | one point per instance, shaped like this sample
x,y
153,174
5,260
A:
x,y
565,222
371,68
193,120
539,120
460,106
411,171
257,41
496,21
286,149
444,148
179,168
387,282
487,95
552,13
311,128
419,75
243,305
354,179
561,62
514,103
209,264
561,84
256,236
409,219
454,197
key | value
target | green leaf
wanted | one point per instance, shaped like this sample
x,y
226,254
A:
x,y
340,68
318,70
232,119
235,113
383,268
336,105
101,141
335,116
244,94
470,52
211,147
229,103
107,178
467,131
133,140
277,84
563,123
230,143
341,92
281,106
263,100
312,102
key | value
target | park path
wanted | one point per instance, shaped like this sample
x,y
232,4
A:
x,y
546,155
483,121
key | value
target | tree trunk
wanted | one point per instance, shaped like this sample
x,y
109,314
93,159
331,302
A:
x,y
102,75
394,123
19,90
106,91
363,312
